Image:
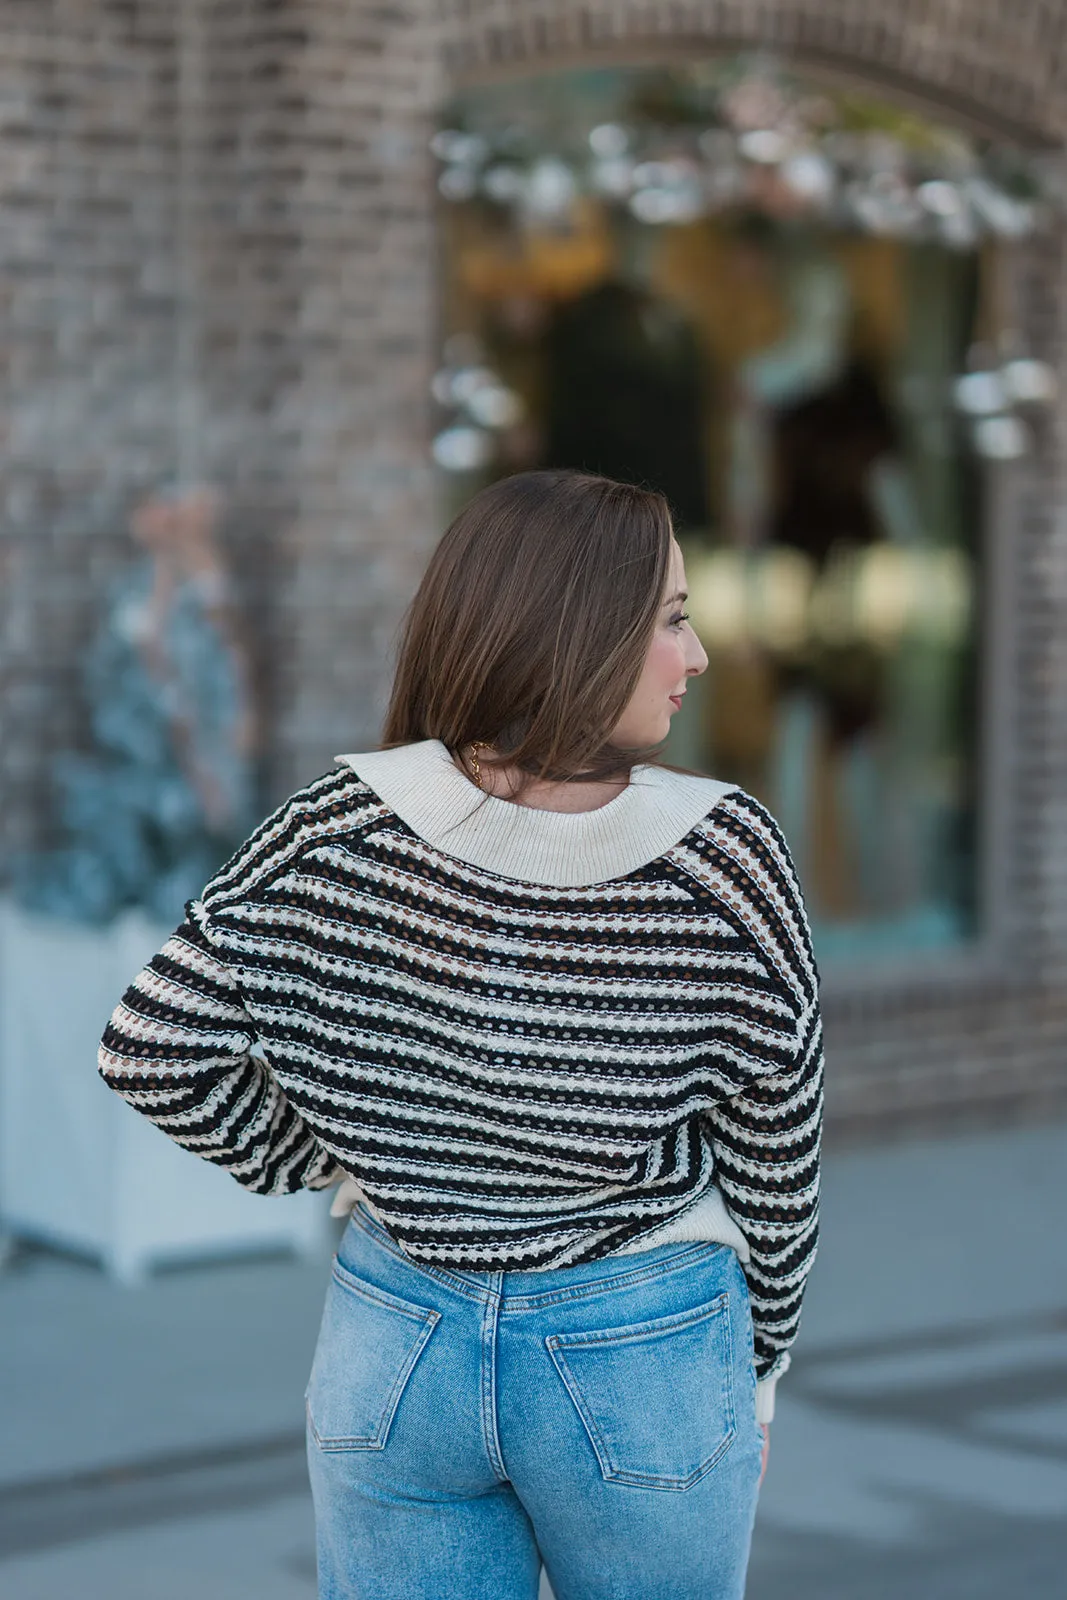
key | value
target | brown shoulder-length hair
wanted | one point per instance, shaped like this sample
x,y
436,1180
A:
x,y
531,625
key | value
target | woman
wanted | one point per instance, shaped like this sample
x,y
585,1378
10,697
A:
x,y
550,1013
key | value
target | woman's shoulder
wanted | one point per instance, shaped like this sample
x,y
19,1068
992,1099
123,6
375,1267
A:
x,y
335,804
716,802
738,829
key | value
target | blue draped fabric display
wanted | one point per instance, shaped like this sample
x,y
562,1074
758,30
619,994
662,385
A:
x,y
167,790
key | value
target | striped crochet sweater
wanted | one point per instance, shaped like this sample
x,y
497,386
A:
x,y
532,1038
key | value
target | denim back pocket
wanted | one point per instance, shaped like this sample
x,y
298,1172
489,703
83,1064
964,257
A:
x,y
368,1345
656,1398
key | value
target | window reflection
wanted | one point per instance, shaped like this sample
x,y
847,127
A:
x,y
790,386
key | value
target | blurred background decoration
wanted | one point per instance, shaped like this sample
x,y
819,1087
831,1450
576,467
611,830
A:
x,y
784,305
166,791
154,804
676,144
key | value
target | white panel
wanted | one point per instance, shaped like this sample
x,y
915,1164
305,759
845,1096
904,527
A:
x,y
78,1166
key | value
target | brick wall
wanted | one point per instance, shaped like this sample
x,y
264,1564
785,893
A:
x,y
87,292
358,189
219,249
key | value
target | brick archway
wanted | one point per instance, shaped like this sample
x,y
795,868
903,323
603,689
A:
x,y
995,63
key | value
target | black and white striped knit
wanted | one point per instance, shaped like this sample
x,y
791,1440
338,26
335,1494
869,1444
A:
x,y
531,1038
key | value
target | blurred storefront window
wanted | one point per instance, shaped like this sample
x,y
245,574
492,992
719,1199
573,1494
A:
x,y
767,301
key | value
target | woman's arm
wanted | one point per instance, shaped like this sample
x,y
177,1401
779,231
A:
x,y
766,1145
178,1049
765,1111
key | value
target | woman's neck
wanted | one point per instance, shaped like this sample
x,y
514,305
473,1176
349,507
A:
x,y
539,794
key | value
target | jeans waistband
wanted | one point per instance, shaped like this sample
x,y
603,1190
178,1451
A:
x,y
541,1284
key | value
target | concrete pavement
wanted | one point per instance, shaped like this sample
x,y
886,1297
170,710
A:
x,y
151,1439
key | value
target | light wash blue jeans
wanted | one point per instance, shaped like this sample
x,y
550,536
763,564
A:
x,y
464,1427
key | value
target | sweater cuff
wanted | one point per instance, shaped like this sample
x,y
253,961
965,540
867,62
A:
x,y
765,1388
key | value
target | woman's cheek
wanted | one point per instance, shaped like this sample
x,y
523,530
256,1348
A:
x,y
672,661
661,655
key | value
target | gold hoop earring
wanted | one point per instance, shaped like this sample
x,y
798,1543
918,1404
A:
x,y
476,766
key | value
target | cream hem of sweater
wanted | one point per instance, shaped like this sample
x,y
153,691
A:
x,y
422,785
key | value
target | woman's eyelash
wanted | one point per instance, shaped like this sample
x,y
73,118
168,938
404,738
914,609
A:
x,y
682,616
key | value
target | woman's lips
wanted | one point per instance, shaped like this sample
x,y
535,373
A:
x,y
675,700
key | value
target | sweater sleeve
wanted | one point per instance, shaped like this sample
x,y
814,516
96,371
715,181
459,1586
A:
x,y
178,1048
766,1133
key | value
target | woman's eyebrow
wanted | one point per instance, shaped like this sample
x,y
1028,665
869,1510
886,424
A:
x,y
683,594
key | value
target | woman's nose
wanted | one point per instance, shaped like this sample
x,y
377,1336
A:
x,y
698,661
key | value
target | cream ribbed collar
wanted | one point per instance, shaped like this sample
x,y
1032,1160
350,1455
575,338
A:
x,y
424,787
